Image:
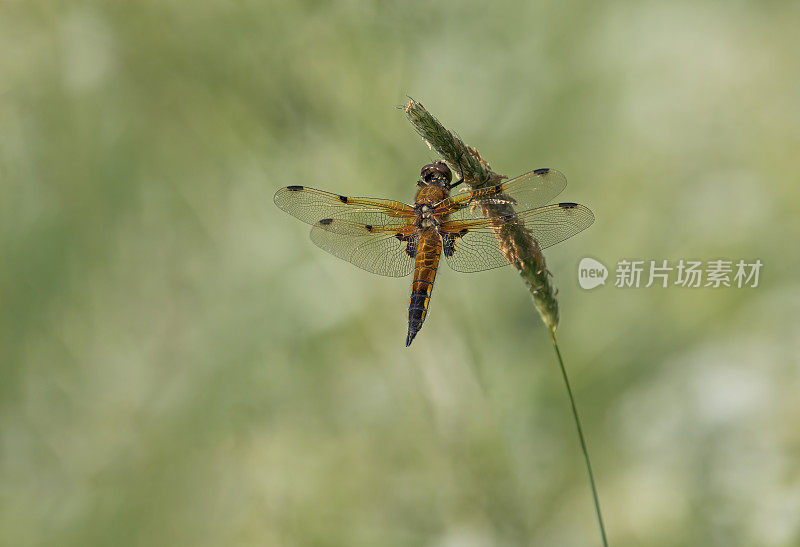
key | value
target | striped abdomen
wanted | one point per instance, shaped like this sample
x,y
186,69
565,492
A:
x,y
429,249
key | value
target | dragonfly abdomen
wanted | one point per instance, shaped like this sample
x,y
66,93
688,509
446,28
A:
x,y
425,266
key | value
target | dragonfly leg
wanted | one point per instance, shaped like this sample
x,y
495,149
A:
x,y
460,174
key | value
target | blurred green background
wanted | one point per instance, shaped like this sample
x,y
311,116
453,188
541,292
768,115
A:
x,y
182,366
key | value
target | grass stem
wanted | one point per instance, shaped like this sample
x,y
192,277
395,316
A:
x,y
521,249
582,440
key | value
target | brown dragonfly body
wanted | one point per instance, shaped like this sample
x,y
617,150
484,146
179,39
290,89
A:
x,y
395,239
429,245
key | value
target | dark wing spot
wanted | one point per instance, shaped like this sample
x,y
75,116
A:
x,y
343,199
294,188
448,244
463,232
399,236
368,227
411,247
326,221
567,205
507,217
542,171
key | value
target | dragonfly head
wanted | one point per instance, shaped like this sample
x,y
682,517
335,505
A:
x,y
436,174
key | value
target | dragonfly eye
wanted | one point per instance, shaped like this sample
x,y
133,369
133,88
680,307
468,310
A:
x,y
436,171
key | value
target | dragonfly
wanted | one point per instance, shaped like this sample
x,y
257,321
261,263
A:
x,y
394,239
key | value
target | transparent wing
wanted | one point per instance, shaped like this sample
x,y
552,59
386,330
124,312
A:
x,y
384,250
475,245
528,191
311,205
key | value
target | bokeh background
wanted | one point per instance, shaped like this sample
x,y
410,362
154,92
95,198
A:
x,y
182,366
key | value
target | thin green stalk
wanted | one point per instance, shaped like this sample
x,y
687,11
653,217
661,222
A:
x,y
582,440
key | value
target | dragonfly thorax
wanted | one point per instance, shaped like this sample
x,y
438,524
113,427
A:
x,y
428,222
425,216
